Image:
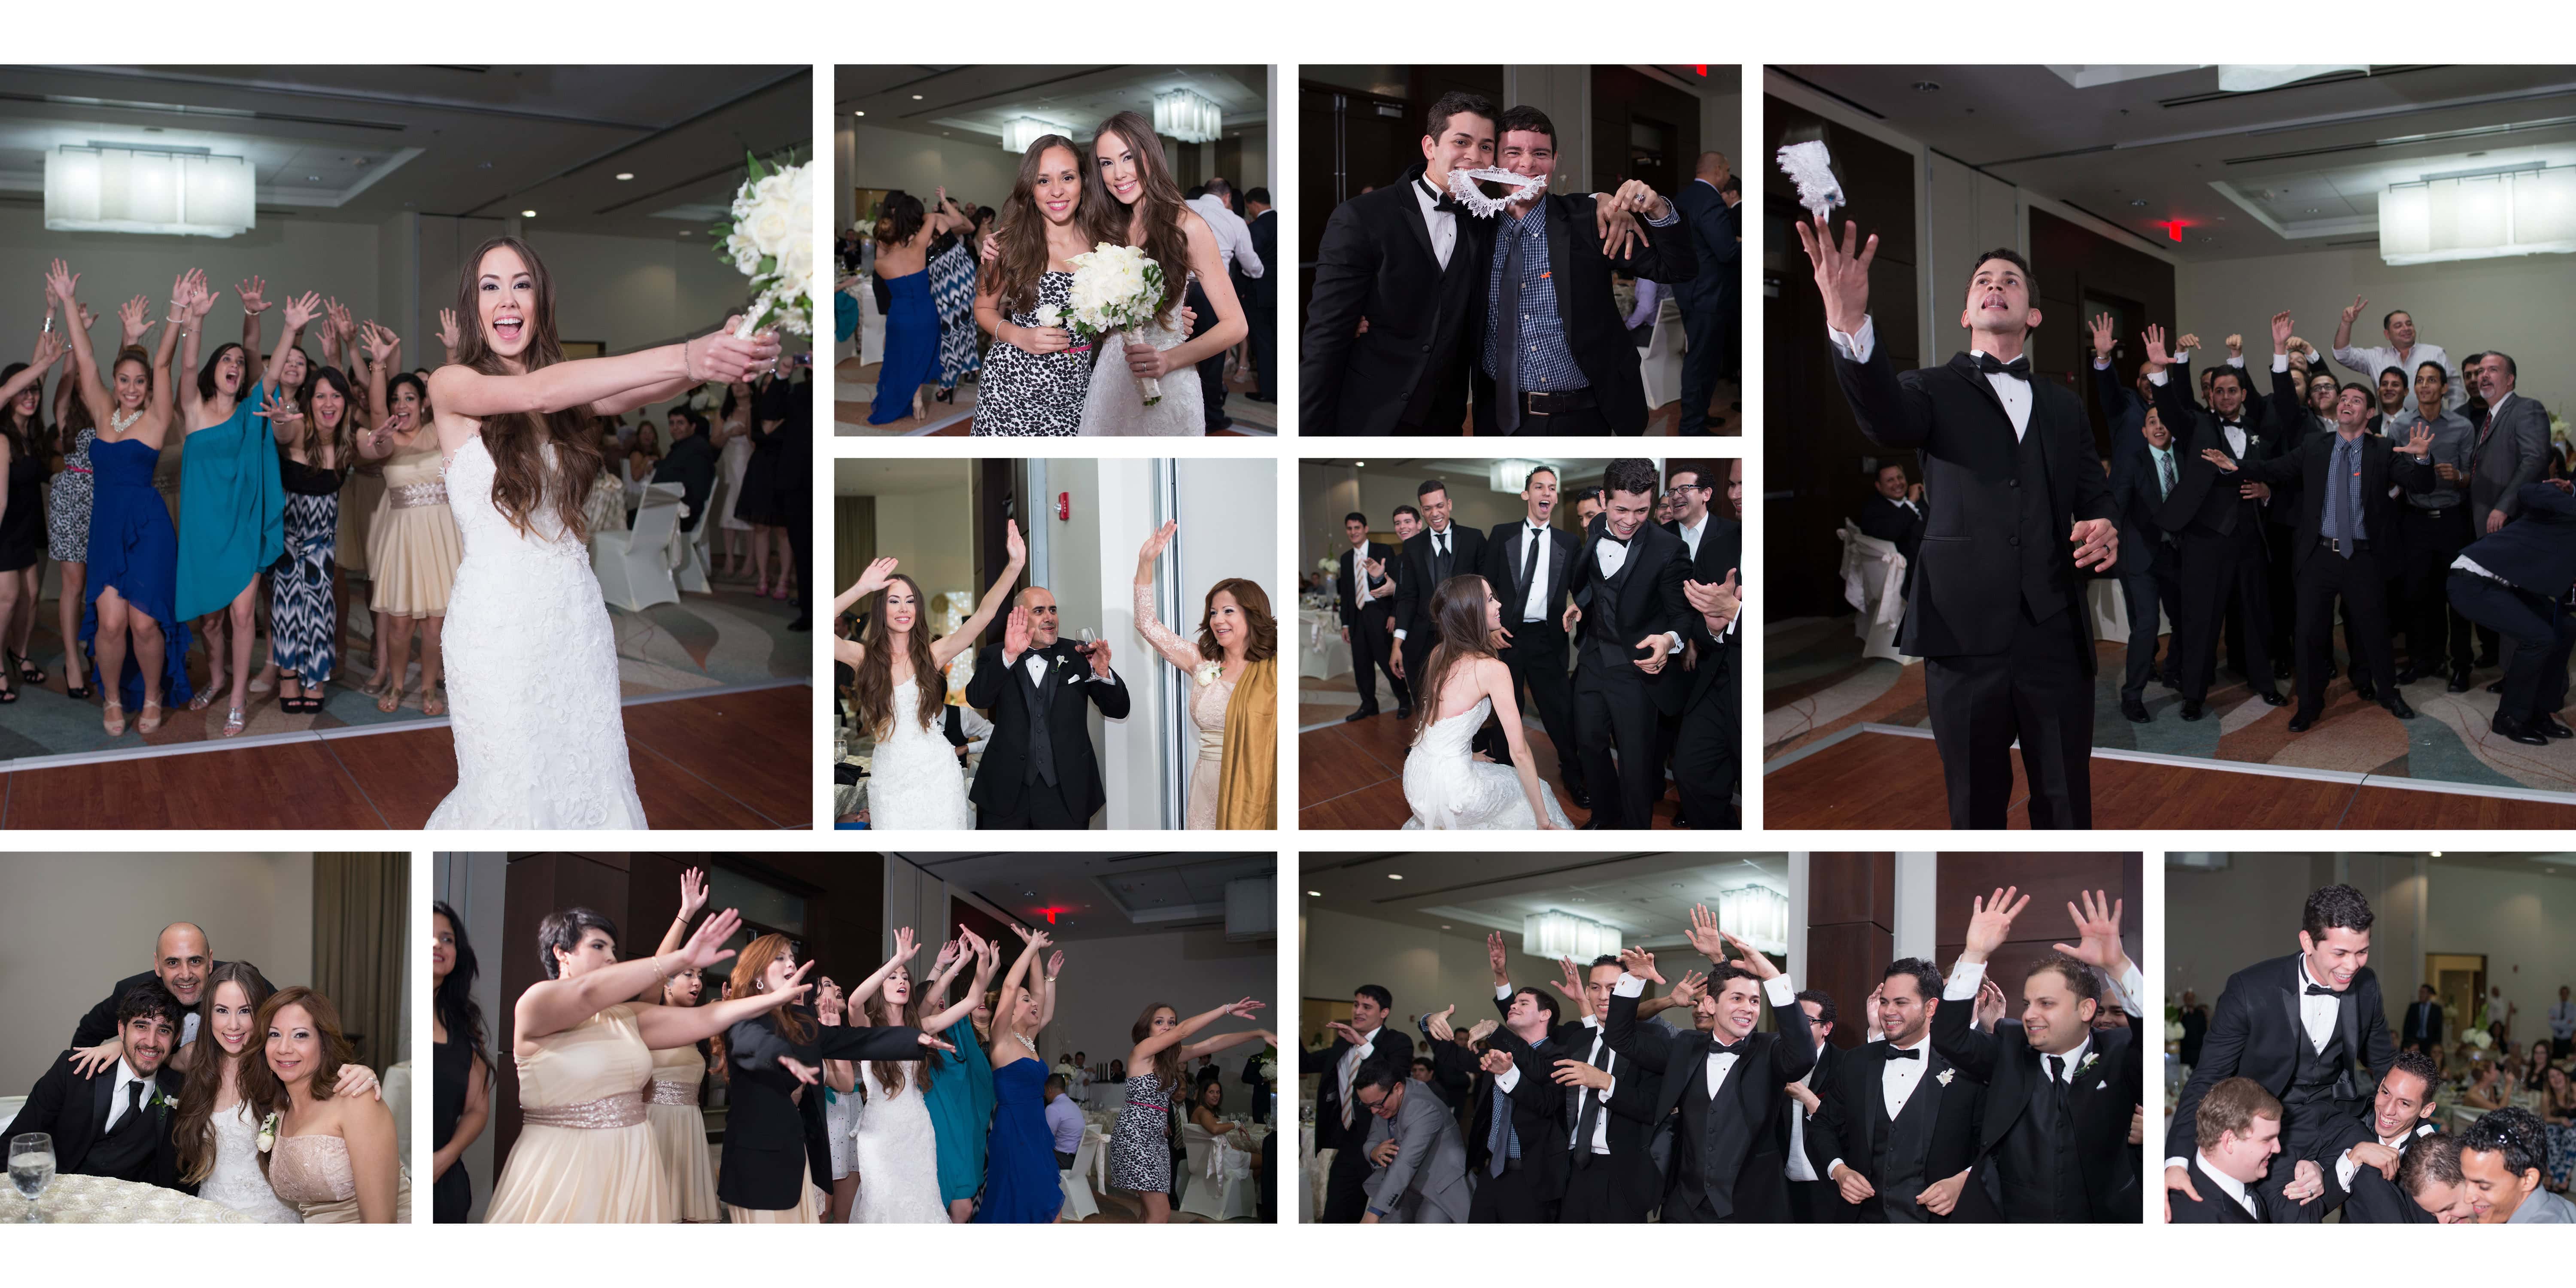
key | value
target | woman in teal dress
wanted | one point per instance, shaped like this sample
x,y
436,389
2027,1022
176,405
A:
x,y
961,1100
232,502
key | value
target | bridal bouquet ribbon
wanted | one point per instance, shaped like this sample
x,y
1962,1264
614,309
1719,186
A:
x,y
1117,288
1811,166
770,240
1462,185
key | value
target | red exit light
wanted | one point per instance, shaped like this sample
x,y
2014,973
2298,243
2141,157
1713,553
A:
x,y
2173,229
1703,69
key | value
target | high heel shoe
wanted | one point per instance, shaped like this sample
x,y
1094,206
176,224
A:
x,y
27,670
114,718
151,717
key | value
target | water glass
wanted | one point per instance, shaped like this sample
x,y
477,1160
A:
x,y
31,1167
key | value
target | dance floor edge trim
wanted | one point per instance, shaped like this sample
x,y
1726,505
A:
x,y
75,759
2345,777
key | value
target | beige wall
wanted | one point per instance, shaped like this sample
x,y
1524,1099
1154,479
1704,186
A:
x,y
72,925
1328,492
929,532
2217,924
2521,924
1425,969
1108,981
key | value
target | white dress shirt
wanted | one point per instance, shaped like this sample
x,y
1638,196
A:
x,y
1777,990
1690,535
2014,392
1351,1062
1534,609
1801,1167
1611,556
1897,1080
1360,574
1036,665
116,1105
2372,359
2562,1020
1510,1079
1442,224
2346,1168
2317,1014
2228,1185
1233,236
2235,433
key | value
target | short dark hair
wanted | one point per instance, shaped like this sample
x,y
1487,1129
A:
x,y
1384,1072
1631,474
1252,195
2080,979
2431,1159
2009,256
2472,359
1592,494
1356,517
2391,316
564,930
1436,121
2231,373
1926,977
1056,1082
2515,1133
1429,486
1424,1062
1606,959
2386,372
1824,1003
1885,466
1698,474
1733,183
1545,1003
2440,372
1406,509
1535,471
147,1000
1719,975
2509,368
1197,190
2351,386
2336,907
2421,1065
1376,993
1525,117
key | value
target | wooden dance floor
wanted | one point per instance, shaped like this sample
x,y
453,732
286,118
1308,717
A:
x,y
1352,775
729,760
1889,778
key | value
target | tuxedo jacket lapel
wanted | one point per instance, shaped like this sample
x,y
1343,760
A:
x,y
1420,228
102,1100
1965,367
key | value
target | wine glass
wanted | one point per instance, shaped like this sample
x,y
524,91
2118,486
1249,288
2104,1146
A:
x,y
31,1167
1088,638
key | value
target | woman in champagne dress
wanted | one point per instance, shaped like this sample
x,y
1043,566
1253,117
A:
x,y
334,1156
1234,775
896,1149
412,544
1140,1147
671,1110
584,1154
217,1128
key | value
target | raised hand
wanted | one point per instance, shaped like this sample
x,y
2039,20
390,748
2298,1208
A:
x,y
931,1042
2281,328
1437,1023
906,947
1244,1009
1990,1005
135,318
1640,963
2096,542
1842,277
1497,959
1015,635
1705,936
2353,310
706,947
2225,463
1012,543
2101,327
948,950
721,357
1579,1073
1156,542
447,333
790,992
1343,1030
2235,344
1572,987
253,291
382,344
874,579
1990,923
2419,440
302,309
2097,929
804,1073
1687,991
1639,196
1055,964
1496,1063
2155,342
1096,653
1754,961
2188,343
62,283
693,892
1482,1029
203,298
49,350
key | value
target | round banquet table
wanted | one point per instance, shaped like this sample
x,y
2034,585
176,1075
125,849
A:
x,y
1323,654
100,1200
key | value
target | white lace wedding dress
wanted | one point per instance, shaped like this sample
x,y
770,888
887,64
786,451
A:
x,y
532,680
1450,790
914,781
237,1182
1114,405
897,1153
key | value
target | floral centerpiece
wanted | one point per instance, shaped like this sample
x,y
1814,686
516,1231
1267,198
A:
x,y
770,239
1116,288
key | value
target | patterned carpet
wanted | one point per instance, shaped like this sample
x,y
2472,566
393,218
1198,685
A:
x,y
1816,683
855,389
702,642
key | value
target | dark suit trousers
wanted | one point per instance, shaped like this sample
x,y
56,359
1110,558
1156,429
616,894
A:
x,y
1512,1198
1265,352
2363,587
2037,692
1372,651
2535,676
1211,368
1614,712
1705,754
1536,657
1700,361
2157,591
2436,634
1345,1201
1594,1195
1817,1203
2217,572
1041,808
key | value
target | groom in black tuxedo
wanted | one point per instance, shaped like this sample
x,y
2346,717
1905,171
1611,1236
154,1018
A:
x,y
182,961
2296,1025
1896,1135
1440,551
2014,485
1039,770
1528,563
1409,264
1628,595
2064,1100
116,1122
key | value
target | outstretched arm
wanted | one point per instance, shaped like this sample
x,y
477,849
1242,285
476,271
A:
x,y
592,381
1155,1043
1032,943
971,947
1046,988
1175,650
1208,1046
665,1027
946,648
63,285
551,1006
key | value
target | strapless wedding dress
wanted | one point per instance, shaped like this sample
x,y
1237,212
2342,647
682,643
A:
x,y
914,781
236,1181
1450,790
896,1153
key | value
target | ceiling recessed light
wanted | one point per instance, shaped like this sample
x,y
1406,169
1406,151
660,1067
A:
x,y
1315,894
2437,854
1444,925
313,178
483,165
2312,210
1359,464
916,98
858,113
624,177
2137,201
1395,876
527,214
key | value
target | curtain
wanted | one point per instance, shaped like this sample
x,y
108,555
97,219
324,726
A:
x,y
361,949
854,541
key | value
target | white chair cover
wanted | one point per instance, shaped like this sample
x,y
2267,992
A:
x,y
633,571
1660,363
1212,1186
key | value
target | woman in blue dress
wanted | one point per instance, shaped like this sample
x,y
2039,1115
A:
x,y
1021,1183
904,234
232,501
130,623
961,1098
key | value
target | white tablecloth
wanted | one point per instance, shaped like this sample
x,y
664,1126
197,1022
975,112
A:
x,y
98,1200
1321,652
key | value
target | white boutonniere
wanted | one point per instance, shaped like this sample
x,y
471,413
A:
x,y
1943,1077
2087,1066
268,1132
1059,661
163,1099
1205,673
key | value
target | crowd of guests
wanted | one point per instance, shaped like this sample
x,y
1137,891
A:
x,y
1590,1103
201,1077
889,1100
754,448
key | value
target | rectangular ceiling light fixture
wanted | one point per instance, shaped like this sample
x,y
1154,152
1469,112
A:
x,y
1021,131
1562,934
125,190
2488,216
1182,114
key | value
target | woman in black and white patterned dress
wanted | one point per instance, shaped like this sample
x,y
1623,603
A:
x,y
1140,1147
1037,372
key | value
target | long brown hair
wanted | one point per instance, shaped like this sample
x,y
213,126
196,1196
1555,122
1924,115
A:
x,y
891,1073
747,970
1159,202
311,438
260,1084
1261,630
875,683
1167,1062
519,476
1023,227
194,1130
1458,613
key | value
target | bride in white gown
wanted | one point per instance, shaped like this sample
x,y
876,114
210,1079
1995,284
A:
x,y
896,1151
1447,787
1129,184
219,1146
532,675
914,781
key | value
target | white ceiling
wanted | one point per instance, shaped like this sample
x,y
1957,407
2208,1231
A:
x,y
974,101
2279,171
1099,896
897,476
361,143
1648,896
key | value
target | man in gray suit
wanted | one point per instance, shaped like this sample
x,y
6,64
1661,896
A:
x,y
2512,446
2501,1160
1419,1160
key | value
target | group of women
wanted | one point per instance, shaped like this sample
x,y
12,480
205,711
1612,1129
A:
x,y
915,783
263,449
882,1103
1038,377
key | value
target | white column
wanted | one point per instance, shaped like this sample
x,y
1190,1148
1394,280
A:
x,y
1798,869
1918,885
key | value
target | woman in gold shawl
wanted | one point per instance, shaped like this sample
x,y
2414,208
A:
x,y
1234,694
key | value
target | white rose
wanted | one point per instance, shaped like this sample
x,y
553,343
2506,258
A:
x,y
796,268
1049,315
744,252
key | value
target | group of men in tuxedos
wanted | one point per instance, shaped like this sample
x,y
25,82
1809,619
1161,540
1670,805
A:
x,y
2274,1126
1421,306
1618,1113
1624,637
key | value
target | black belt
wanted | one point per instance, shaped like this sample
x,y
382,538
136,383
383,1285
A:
x,y
2434,511
1535,402
2358,544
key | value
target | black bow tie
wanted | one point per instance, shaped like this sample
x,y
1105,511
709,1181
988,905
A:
x,y
1736,1048
1897,1053
1440,200
2018,368
1621,542
2320,990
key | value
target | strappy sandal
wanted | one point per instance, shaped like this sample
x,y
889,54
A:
x,y
151,717
390,700
432,704
206,699
234,722
115,718
27,670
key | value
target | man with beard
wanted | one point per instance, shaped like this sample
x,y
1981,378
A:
x,y
2239,1126
2220,524
1723,1085
2503,1157
2296,1025
2366,1154
1039,769
1899,1136
1628,593
115,1123
1340,1124
1529,564
182,961
2064,1101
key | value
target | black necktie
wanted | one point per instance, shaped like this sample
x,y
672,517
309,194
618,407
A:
x,y
1585,1122
2018,368
2320,990
1896,1053
1529,566
133,1104
2056,1070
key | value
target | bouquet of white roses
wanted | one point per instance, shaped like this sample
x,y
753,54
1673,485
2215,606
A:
x,y
770,240
1116,288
